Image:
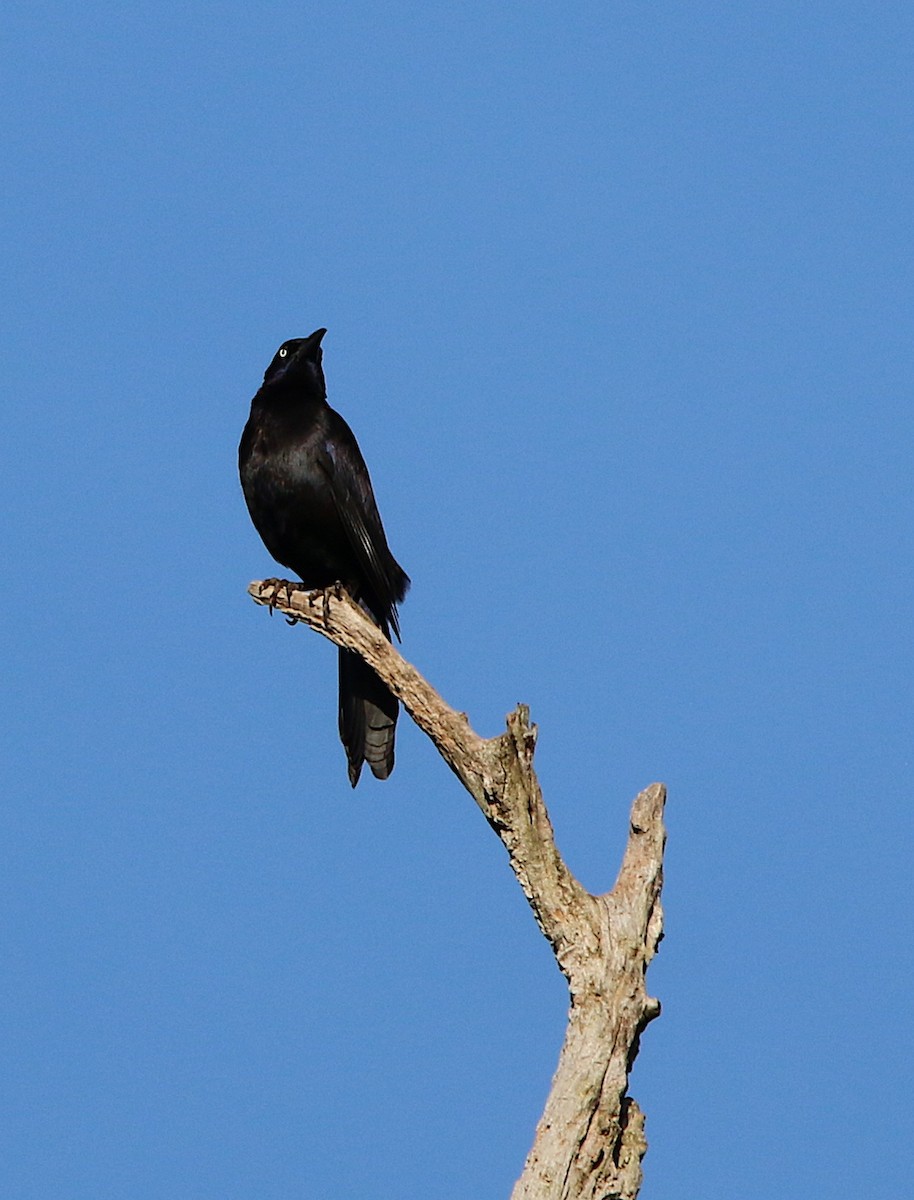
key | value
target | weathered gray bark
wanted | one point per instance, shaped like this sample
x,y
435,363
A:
x,y
590,1139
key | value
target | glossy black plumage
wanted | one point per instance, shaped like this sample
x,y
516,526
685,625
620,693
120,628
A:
x,y
310,497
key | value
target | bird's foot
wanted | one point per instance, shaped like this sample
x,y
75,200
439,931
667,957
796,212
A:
x,y
333,590
276,588
272,586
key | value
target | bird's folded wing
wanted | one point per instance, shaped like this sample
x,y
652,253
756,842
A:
x,y
358,511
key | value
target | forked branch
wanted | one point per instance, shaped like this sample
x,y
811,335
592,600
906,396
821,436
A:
x,y
590,1140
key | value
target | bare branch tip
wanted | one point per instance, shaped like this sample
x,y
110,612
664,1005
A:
x,y
519,718
521,732
652,1008
647,809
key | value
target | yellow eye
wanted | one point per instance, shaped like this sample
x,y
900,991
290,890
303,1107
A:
x,y
283,352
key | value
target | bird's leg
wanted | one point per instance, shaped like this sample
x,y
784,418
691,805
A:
x,y
323,595
277,586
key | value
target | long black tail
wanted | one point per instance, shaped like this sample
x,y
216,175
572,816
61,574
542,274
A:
x,y
368,718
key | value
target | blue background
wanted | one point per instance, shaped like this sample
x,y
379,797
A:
x,y
619,302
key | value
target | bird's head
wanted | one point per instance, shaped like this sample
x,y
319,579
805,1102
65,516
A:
x,y
299,360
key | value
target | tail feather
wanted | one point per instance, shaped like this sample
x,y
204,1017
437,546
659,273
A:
x,y
368,718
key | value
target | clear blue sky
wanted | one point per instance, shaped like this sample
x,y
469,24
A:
x,y
619,302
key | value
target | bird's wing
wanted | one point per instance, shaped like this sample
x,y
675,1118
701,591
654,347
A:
x,y
353,498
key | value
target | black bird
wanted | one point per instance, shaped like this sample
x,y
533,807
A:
x,y
309,495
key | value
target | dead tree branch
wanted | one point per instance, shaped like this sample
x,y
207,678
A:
x,y
590,1139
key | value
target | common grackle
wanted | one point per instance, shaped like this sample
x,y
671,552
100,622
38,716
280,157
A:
x,y
309,495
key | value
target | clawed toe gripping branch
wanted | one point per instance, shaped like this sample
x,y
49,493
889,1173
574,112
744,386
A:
x,y
590,1139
